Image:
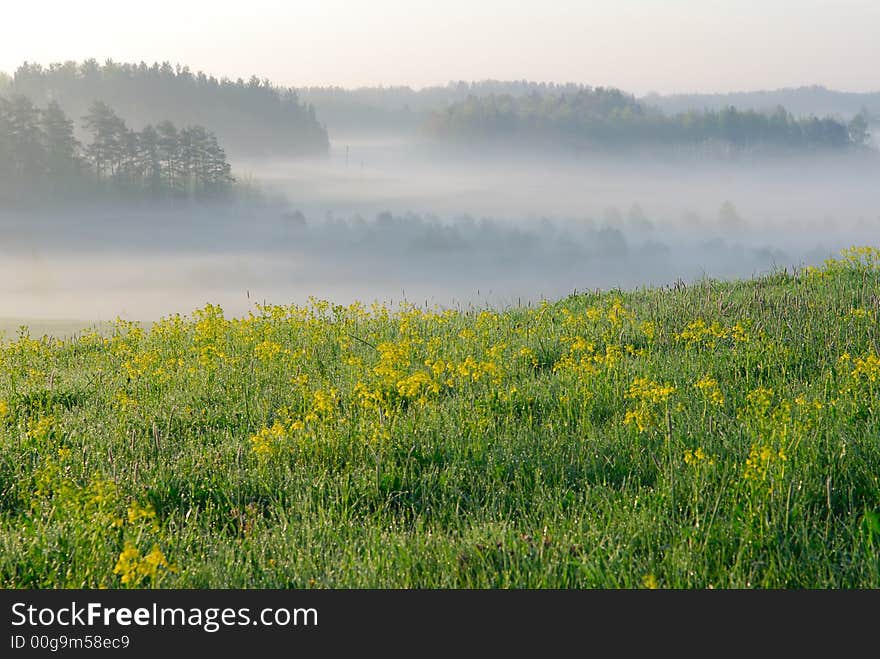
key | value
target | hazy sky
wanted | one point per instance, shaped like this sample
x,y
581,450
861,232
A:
x,y
638,45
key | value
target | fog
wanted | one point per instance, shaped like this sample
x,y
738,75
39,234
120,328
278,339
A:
x,y
388,220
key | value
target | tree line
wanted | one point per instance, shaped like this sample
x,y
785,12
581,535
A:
x,y
801,101
251,117
402,109
40,155
604,117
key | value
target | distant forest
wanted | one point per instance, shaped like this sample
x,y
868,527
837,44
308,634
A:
x,y
251,118
609,118
800,101
402,109
42,159
399,109
255,118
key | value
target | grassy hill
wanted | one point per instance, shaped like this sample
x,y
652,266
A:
x,y
716,435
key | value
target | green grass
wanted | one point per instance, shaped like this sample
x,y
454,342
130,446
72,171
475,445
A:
x,y
716,435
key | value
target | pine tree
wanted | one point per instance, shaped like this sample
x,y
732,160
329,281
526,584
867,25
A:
x,y
168,154
62,147
149,160
25,137
107,149
40,153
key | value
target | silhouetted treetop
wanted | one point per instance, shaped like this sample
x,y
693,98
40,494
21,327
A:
x,y
252,117
41,157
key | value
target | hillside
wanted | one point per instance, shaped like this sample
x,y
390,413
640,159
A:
x,y
710,436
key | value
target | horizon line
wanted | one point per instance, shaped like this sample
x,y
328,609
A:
x,y
454,81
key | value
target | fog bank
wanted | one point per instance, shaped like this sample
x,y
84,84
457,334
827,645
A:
x,y
388,220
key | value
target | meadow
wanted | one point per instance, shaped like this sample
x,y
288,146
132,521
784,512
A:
x,y
709,435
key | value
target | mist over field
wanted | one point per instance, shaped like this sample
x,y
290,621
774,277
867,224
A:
x,y
113,203
393,219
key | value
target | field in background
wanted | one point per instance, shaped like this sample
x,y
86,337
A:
x,y
714,435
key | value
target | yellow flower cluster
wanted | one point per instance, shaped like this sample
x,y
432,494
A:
x,y
267,351
418,384
617,313
867,368
471,369
133,568
698,333
698,457
762,461
710,390
647,390
41,429
648,396
650,582
861,259
323,405
141,363
143,515
267,442
768,421
393,360
584,359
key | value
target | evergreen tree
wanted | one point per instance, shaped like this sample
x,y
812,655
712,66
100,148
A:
x,y
149,160
25,139
108,147
168,145
39,153
858,129
62,147
253,117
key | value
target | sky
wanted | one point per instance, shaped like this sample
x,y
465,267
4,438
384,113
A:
x,y
664,46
